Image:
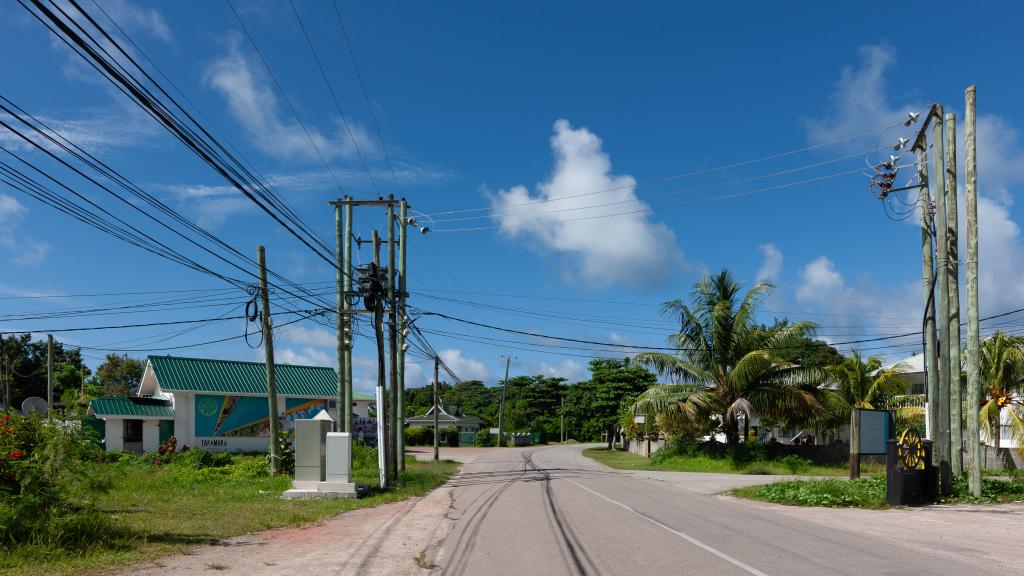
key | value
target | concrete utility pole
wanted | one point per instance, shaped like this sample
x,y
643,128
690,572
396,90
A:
x,y
378,325
501,405
268,347
49,376
437,402
973,322
396,418
347,286
928,279
942,440
561,436
343,415
400,391
956,435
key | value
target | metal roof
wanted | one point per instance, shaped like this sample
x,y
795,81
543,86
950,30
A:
x,y
131,406
176,374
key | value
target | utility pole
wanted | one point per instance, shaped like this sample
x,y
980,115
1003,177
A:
x,y
928,279
400,391
396,418
501,405
956,435
942,440
561,436
346,307
378,325
268,346
973,322
343,415
49,376
437,365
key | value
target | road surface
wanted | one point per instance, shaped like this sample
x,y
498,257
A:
x,y
553,511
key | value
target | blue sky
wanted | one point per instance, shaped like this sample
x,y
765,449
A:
x,y
485,109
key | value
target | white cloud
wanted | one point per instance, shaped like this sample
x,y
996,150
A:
x,y
860,100
571,370
820,282
25,251
253,103
464,368
131,16
95,130
772,265
307,356
315,337
626,249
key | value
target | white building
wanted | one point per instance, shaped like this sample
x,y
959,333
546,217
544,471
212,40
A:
x,y
219,405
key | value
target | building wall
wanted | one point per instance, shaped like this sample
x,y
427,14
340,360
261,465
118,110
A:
x,y
114,434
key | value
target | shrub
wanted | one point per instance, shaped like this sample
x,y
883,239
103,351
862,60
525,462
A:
x,y
484,439
419,437
198,458
863,493
286,453
363,456
450,436
795,464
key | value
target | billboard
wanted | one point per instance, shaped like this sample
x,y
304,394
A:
x,y
247,416
874,431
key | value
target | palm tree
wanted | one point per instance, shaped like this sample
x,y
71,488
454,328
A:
x,y
725,364
1002,376
855,383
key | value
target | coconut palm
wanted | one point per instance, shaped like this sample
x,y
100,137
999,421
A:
x,y
1002,379
855,383
725,364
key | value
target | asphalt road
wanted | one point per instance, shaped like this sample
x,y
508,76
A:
x,y
553,511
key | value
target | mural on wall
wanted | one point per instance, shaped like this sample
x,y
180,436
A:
x,y
246,416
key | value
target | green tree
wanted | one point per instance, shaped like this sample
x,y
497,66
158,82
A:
x,y
1002,378
119,375
23,366
855,383
593,406
726,365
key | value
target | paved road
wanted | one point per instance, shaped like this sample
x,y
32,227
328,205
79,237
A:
x,y
553,511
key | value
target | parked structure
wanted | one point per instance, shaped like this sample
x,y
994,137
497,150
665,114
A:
x,y
218,404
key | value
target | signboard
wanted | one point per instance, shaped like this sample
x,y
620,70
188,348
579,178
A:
x,y
874,431
219,416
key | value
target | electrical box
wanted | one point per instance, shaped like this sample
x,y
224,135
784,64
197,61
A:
x,y
311,449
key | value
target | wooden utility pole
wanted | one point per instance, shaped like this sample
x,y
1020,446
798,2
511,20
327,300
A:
x,y
378,325
941,446
346,307
973,322
343,415
855,443
49,376
400,390
931,370
501,405
396,418
268,347
561,436
956,435
437,402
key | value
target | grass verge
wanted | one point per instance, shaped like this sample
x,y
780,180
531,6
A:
x,y
870,493
158,510
623,460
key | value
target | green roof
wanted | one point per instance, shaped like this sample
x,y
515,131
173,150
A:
x,y
132,406
176,374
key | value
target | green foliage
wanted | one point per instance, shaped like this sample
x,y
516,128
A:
x,y
419,436
796,464
363,456
832,493
730,366
449,436
484,439
119,375
197,458
285,452
26,359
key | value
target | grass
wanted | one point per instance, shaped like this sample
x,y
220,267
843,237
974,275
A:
x,y
159,510
623,460
870,493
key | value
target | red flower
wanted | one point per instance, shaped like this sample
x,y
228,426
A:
x,y
7,417
10,474
17,454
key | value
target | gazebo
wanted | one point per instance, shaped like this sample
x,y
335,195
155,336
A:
x,y
446,418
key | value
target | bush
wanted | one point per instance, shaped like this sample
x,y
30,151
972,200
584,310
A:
x,y
198,458
363,456
419,437
796,464
450,436
863,493
484,439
